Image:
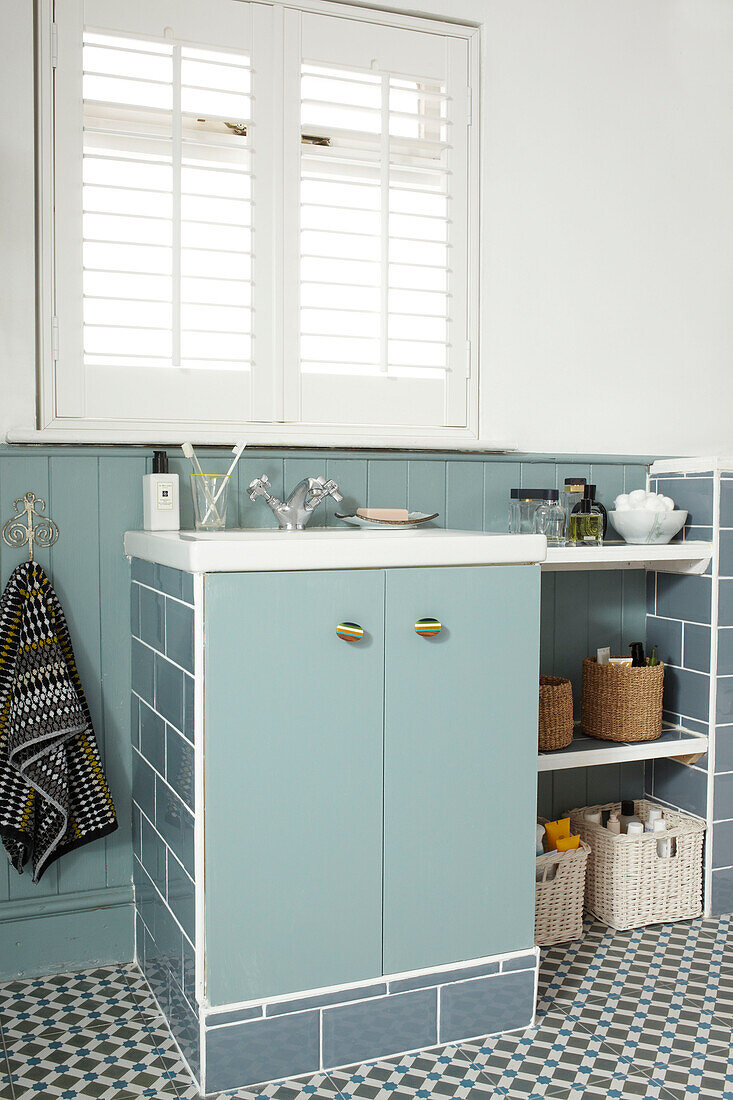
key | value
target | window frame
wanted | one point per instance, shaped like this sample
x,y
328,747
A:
x,y
52,426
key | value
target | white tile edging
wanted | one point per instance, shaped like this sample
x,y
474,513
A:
x,y
209,1012
713,703
198,820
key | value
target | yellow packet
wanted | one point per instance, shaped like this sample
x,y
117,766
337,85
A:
x,y
567,843
556,830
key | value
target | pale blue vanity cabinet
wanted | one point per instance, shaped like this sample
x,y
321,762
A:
x,y
364,815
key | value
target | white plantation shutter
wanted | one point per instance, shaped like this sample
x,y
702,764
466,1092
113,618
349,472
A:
x,y
154,211
261,214
382,224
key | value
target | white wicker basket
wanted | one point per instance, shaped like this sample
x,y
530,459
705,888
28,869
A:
x,y
628,884
559,891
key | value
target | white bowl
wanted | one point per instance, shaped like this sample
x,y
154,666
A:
x,y
641,526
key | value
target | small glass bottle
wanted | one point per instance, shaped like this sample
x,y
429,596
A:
x,y
585,526
549,519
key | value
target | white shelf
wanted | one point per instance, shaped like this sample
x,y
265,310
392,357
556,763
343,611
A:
x,y
674,557
587,752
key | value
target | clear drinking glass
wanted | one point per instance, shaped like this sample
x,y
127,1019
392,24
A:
x,y
210,492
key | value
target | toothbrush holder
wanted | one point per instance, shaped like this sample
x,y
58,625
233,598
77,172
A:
x,y
210,494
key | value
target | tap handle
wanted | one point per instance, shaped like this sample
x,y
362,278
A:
x,y
259,487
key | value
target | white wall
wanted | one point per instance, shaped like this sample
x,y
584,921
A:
x,y
607,222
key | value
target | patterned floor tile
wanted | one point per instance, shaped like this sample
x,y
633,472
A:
x,y
548,1057
66,1002
444,1072
318,1087
92,1064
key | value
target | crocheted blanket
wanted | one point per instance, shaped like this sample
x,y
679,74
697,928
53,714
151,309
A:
x,y
53,793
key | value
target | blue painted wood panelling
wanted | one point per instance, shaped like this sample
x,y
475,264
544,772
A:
x,y
94,495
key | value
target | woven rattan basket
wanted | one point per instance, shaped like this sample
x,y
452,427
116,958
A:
x,y
555,713
621,703
559,893
628,884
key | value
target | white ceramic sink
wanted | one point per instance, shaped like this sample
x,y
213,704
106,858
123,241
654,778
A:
x,y
270,549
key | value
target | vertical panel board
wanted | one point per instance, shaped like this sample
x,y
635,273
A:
x,y
75,558
211,462
539,475
350,474
465,496
294,470
120,510
426,489
387,483
609,482
499,479
634,478
256,513
22,474
571,628
605,595
547,625
604,784
569,790
633,626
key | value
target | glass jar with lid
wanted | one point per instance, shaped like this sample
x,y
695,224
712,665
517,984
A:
x,y
523,504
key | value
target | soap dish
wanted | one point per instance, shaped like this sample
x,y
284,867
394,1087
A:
x,y
414,519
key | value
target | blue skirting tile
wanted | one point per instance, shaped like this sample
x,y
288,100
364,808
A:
x,y
687,693
723,798
722,892
375,1029
723,844
152,738
724,748
152,618
724,705
169,691
142,672
175,824
180,766
666,635
725,651
523,962
261,1050
681,786
486,1006
440,977
179,634
697,647
692,495
234,1016
682,597
279,1008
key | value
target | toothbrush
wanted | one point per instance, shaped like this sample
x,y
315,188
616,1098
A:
x,y
190,454
237,452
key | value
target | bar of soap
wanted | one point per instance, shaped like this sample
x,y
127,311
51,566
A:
x,y
393,515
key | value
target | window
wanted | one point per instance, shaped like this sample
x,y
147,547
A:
x,y
261,217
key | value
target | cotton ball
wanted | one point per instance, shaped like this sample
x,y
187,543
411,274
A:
x,y
654,502
621,504
668,504
637,499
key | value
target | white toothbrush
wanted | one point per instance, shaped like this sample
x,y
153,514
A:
x,y
237,451
190,454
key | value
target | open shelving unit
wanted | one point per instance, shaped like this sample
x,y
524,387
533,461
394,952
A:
x,y
676,742
674,557
587,752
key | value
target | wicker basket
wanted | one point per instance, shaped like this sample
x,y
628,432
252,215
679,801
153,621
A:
x,y
621,703
628,885
555,713
559,891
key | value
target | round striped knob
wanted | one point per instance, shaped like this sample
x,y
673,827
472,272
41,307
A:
x,y
350,632
428,628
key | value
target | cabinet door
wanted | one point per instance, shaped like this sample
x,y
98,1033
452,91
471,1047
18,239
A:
x,y
460,764
293,782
